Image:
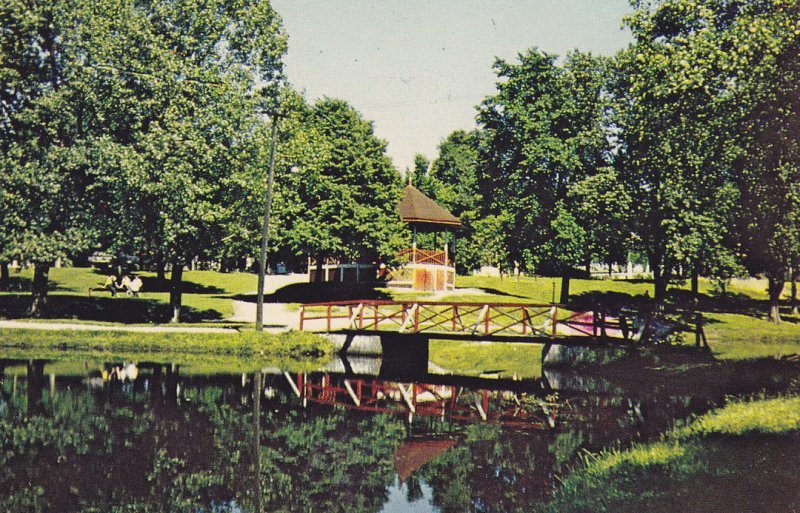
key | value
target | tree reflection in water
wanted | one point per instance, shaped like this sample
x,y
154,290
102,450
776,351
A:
x,y
166,442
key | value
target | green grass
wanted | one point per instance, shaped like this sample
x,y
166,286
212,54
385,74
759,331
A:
x,y
258,349
740,337
771,416
208,295
735,325
542,289
742,457
475,358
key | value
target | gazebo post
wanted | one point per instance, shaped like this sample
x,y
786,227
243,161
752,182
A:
x,y
414,245
446,254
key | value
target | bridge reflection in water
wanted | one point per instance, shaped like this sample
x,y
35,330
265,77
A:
x,y
430,399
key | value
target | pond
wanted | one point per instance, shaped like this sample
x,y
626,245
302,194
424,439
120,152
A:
x,y
118,436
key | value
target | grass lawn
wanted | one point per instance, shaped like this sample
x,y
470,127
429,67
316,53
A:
x,y
207,296
476,358
742,457
245,350
735,325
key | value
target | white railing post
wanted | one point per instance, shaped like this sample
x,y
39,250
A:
x,y
409,317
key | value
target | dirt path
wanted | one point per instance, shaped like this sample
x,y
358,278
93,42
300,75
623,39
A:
x,y
277,316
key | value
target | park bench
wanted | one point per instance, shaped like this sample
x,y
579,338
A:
x,y
655,330
98,289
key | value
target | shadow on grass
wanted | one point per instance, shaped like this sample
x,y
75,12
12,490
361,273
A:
x,y
317,293
611,301
677,299
16,284
501,293
108,309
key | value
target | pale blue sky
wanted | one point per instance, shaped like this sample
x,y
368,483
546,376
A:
x,y
417,68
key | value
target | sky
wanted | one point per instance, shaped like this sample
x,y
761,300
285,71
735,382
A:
x,y
418,68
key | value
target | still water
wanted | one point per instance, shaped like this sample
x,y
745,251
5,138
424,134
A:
x,y
125,437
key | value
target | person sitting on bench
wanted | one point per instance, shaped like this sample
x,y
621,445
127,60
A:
x,y
134,286
112,285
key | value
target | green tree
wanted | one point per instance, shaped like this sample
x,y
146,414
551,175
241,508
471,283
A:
x,y
338,191
421,177
602,207
544,132
766,40
206,74
693,86
454,175
51,115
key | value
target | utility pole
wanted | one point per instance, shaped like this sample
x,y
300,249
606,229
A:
x,y
262,261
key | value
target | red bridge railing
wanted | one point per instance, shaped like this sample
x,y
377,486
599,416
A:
x,y
453,402
485,319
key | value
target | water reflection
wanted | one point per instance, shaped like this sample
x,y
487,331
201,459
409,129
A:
x,y
153,438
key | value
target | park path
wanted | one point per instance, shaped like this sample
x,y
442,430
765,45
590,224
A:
x,y
102,327
277,316
282,317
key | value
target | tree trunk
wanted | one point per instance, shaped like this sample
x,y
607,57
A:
x,y
160,268
175,291
699,334
695,287
794,291
39,289
775,290
564,288
318,277
660,284
4,277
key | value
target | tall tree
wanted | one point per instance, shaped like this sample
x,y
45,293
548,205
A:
x,y
206,73
766,40
544,133
340,195
50,118
454,175
701,88
601,207
420,175
675,147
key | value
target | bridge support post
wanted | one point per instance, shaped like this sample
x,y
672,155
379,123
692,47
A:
x,y
559,355
401,354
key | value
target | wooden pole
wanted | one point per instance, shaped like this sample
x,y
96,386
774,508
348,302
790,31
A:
x,y
262,261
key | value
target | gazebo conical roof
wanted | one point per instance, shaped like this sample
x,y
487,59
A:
x,y
415,207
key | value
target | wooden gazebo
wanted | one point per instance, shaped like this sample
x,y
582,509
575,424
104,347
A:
x,y
425,269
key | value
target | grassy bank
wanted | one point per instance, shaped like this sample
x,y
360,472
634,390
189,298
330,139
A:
x,y
477,358
247,349
735,324
742,457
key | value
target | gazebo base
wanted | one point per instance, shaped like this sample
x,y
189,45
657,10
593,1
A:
x,y
344,273
423,277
